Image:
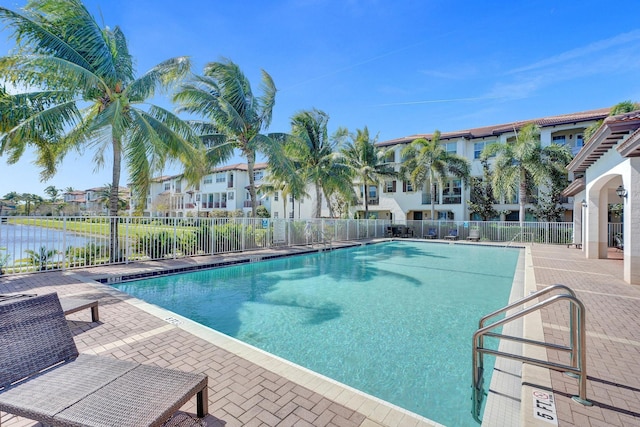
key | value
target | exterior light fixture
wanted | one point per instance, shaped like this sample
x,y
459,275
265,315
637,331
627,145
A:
x,y
584,203
621,192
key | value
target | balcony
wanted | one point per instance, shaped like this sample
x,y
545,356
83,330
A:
x,y
372,202
247,203
452,200
426,199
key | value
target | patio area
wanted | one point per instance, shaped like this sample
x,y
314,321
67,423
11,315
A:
x,y
252,388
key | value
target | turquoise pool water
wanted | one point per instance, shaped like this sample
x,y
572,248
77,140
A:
x,y
393,319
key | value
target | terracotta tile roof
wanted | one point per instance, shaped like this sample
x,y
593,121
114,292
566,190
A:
x,y
497,130
613,129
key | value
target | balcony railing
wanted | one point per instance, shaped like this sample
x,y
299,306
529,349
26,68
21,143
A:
x,y
452,200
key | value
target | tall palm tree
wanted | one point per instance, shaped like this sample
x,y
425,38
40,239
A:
x,y
31,199
235,118
522,162
92,98
366,162
285,185
53,193
428,163
315,155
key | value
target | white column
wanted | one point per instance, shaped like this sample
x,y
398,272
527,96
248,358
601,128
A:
x,y
631,226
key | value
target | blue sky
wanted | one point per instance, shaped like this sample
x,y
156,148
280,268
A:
x,y
399,67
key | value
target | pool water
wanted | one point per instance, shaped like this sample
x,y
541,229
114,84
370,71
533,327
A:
x,y
394,320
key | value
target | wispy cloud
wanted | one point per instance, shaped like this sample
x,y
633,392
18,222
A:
x,y
585,51
437,101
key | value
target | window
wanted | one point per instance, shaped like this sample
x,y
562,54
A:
x,y
446,215
197,197
579,141
407,186
373,192
221,177
208,179
450,147
560,139
276,196
291,214
230,195
167,186
477,149
390,187
258,175
291,199
390,157
275,215
178,187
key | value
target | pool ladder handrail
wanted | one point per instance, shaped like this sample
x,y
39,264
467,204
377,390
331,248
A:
x,y
577,337
520,234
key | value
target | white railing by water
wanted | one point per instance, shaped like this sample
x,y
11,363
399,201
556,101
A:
x,y
29,244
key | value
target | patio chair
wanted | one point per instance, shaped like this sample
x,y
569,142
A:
x,y
453,234
474,234
44,378
619,242
431,234
69,305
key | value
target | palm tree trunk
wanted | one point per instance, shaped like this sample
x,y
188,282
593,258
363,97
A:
x,y
523,196
114,255
251,161
433,200
366,200
318,202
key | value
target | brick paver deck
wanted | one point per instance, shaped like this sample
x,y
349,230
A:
x,y
246,393
612,336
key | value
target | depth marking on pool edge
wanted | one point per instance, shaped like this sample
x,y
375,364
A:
x,y
544,406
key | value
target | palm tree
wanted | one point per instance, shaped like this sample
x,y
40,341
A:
x,y
315,155
236,117
285,185
30,199
53,193
428,163
522,162
105,194
92,98
40,258
366,162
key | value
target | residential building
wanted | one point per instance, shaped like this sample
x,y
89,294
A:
x,y
226,188
399,200
90,201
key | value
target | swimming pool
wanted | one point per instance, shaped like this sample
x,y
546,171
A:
x,y
394,320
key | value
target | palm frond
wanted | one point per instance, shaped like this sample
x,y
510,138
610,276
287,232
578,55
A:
x,y
159,77
32,33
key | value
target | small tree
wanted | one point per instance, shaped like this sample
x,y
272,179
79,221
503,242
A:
x,y
262,212
482,199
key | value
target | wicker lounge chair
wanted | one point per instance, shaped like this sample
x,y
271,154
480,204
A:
x,y
474,234
69,305
44,378
453,234
431,234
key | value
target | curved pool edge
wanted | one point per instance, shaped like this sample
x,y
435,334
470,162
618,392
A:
x,y
378,412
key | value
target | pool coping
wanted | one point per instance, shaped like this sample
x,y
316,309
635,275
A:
x,y
377,411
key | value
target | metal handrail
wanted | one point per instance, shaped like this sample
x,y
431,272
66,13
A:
x,y
578,366
520,234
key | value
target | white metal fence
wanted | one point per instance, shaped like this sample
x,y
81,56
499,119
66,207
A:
x,y
51,243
